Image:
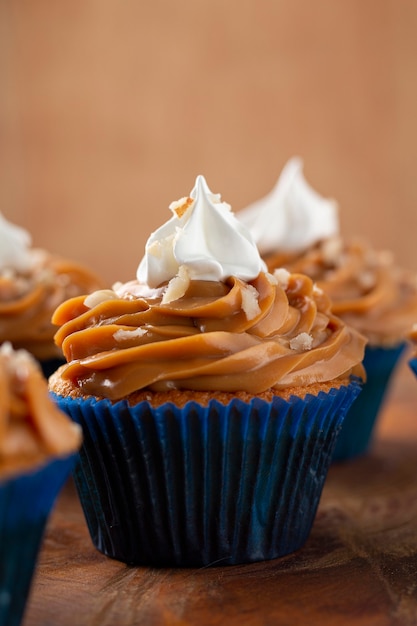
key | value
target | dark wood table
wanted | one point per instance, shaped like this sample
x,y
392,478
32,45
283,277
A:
x,y
359,566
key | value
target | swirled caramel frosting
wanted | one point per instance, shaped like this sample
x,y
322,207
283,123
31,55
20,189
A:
x,y
29,296
270,333
368,290
32,428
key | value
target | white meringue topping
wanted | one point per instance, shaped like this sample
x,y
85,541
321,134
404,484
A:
x,y
293,216
15,244
204,237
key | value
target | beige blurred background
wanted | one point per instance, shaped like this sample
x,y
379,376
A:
x,y
109,109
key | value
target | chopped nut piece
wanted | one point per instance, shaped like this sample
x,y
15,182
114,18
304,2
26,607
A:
x,y
122,333
180,206
250,303
97,297
332,250
366,280
317,291
271,278
301,342
282,276
177,286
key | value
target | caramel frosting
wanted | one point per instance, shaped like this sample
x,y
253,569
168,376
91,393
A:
x,y
29,294
272,332
367,289
32,428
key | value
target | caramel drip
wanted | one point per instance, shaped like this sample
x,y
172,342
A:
x,y
368,291
27,302
206,341
32,428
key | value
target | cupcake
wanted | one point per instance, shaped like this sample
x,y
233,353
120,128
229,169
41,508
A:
x,y
210,393
37,446
295,228
32,284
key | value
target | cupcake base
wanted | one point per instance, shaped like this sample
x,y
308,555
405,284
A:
x,y
25,504
355,436
198,486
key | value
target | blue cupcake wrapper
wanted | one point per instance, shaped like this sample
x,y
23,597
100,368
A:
x,y
356,434
204,485
413,365
25,504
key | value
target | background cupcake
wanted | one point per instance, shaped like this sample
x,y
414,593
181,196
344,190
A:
x,y
210,394
296,228
32,284
37,446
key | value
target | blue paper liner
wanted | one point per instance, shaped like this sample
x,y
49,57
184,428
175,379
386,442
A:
x,y
413,364
204,485
25,504
356,434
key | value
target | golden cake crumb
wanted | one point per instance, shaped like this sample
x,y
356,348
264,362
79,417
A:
x,y
180,397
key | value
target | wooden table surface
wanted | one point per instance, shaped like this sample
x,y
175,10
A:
x,y
359,566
